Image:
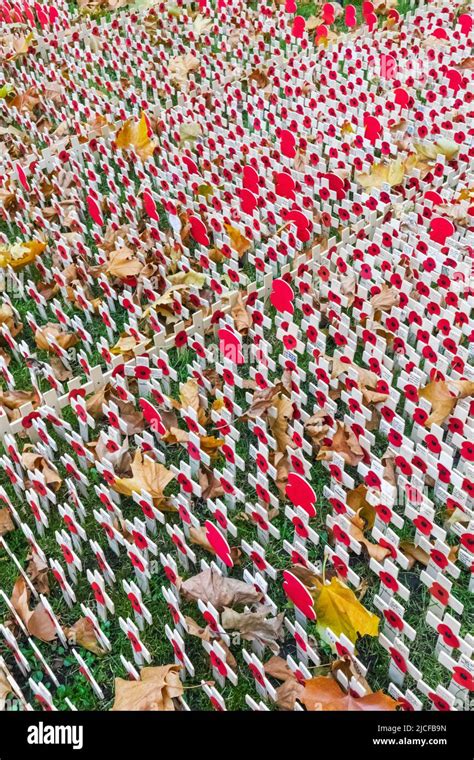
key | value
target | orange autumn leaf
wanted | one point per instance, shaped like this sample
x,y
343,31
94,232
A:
x,y
323,693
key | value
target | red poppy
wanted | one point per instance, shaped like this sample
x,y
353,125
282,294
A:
x,y
440,593
389,581
449,637
439,703
398,659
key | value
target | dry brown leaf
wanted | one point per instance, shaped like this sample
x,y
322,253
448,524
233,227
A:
x,y
147,475
278,668
31,460
156,690
15,399
417,554
6,522
317,428
220,590
210,485
386,299
122,264
5,689
375,551
37,621
279,424
182,65
240,315
37,572
288,693
82,634
282,466
255,626
345,443
95,401
51,333
127,346
356,500
262,401
443,396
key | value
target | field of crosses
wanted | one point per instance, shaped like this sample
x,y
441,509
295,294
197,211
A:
x,y
236,251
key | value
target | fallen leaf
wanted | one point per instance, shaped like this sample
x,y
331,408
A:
x,y
147,475
6,522
50,334
190,131
255,626
345,443
430,151
338,608
239,243
31,460
282,466
385,299
356,500
122,264
210,485
323,693
375,551
277,667
240,315
37,571
37,621
15,399
279,424
182,65
5,689
443,396
156,690
382,174
415,553
82,634
288,693
262,401
135,135
220,590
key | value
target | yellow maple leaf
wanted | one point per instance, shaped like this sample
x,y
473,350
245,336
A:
x,y
135,135
383,174
338,608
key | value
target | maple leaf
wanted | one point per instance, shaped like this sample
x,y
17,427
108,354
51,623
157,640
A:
x,y
6,522
338,608
324,693
443,396
147,475
221,591
136,135
82,634
51,333
37,621
345,443
122,264
238,242
20,254
255,626
382,174
430,151
156,690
